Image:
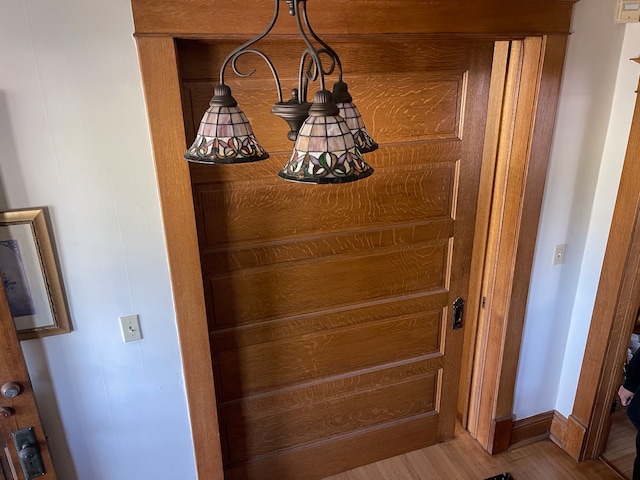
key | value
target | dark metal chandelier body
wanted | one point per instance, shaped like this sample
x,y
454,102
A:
x,y
329,134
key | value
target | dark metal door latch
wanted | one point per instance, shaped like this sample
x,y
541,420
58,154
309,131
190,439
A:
x,y
28,453
458,313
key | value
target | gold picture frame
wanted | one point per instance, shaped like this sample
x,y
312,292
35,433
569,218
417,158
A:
x,y
30,277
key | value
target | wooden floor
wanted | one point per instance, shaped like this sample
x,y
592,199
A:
x,y
463,459
621,447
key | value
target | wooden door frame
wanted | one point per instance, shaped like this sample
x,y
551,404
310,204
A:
x,y
157,27
522,110
25,410
614,314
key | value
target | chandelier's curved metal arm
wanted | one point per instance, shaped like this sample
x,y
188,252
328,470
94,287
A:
x,y
332,59
303,76
311,50
309,71
335,59
266,59
239,50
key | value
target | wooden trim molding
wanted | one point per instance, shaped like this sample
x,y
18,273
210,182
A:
x,y
545,425
25,410
558,429
162,91
497,18
488,349
574,437
532,429
614,313
481,234
523,147
500,435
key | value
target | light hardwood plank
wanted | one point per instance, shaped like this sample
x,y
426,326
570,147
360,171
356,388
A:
x,y
464,459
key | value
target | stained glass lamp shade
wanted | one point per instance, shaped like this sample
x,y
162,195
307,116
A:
x,y
225,135
325,150
352,116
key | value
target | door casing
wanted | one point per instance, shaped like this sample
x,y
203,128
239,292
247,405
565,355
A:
x,y
614,314
157,25
25,412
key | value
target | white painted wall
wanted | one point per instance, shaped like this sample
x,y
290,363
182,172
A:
x,y
74,138
601,215
594,117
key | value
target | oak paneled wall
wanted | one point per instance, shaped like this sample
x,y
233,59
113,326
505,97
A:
x,y
264,425
219,259
276,363
403,310
397,105
329,308
371,444
273,293
431,103
415,193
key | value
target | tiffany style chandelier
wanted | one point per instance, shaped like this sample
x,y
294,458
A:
x,y
329,134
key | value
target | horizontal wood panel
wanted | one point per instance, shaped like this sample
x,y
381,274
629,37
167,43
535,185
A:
x,y
220,260
202,59
233,338
499,17
310,462
275,212
420,100
254,295
417,107
305,358
337,386
393,157
250,436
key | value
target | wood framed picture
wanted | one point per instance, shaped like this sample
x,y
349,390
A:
x,y
30,276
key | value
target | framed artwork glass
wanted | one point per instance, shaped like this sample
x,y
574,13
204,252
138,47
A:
x,y
30,276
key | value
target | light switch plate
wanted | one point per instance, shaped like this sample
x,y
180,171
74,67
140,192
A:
x,y
130,327
558,254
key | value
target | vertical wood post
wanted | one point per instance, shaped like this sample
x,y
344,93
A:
x,y
162,91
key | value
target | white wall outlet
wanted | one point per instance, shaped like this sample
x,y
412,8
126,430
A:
x,y
130,327
558,254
